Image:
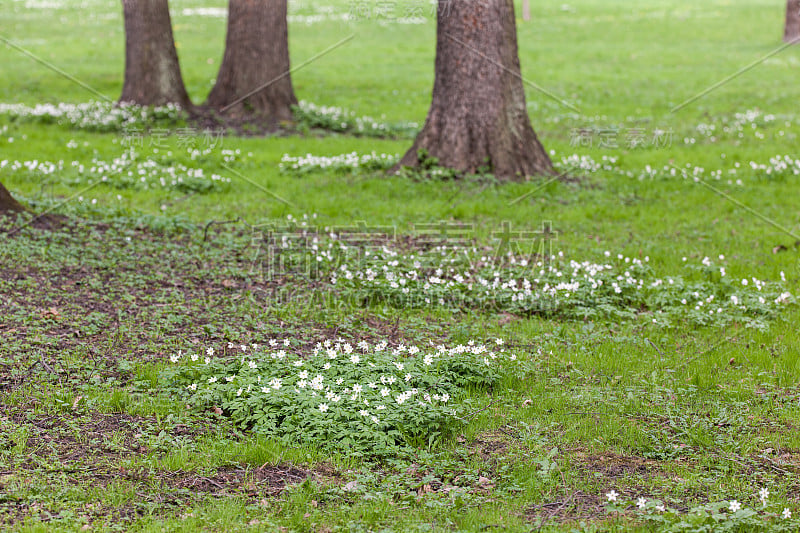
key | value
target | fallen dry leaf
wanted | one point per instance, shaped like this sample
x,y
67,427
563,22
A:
x,y
51,312
485,482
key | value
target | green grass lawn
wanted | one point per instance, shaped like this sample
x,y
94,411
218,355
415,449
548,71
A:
x,y
97,430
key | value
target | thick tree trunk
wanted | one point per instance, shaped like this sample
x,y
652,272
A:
x,y
791,31
7,202
478,117
152,72
254,81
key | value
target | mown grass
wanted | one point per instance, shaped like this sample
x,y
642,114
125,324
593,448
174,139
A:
x,y
687,415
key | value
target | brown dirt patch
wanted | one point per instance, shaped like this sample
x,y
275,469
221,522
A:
x,y
579,505
86,445
491,444
573,508
256,481
613,466
169,490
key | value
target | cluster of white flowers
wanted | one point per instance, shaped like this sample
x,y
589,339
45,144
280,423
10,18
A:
x,y
308,14
319,14
452,276
128,170
575,163
777,166
341,120
780,165
587,163
95,116
733,506
737,127
219,12
351,162
371,382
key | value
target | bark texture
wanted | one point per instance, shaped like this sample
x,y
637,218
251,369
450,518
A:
x,y
7,202
478,116
254,80
152,72
791,32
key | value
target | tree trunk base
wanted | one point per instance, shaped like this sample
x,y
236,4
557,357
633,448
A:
x,y
791,31
254,84
207,118
9,205
478,120
152,72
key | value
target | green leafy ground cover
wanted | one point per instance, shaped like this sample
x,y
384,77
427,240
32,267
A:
x,y
168,250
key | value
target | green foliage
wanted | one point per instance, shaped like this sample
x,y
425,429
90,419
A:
x,y
367,400
91,436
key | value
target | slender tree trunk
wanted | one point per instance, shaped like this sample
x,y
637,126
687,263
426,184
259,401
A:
x,y
7,202
478,116
791,31
152,71
254,83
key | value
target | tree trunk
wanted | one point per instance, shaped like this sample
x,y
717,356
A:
x,y
791,31
478,117
7,202
152,71
254,83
